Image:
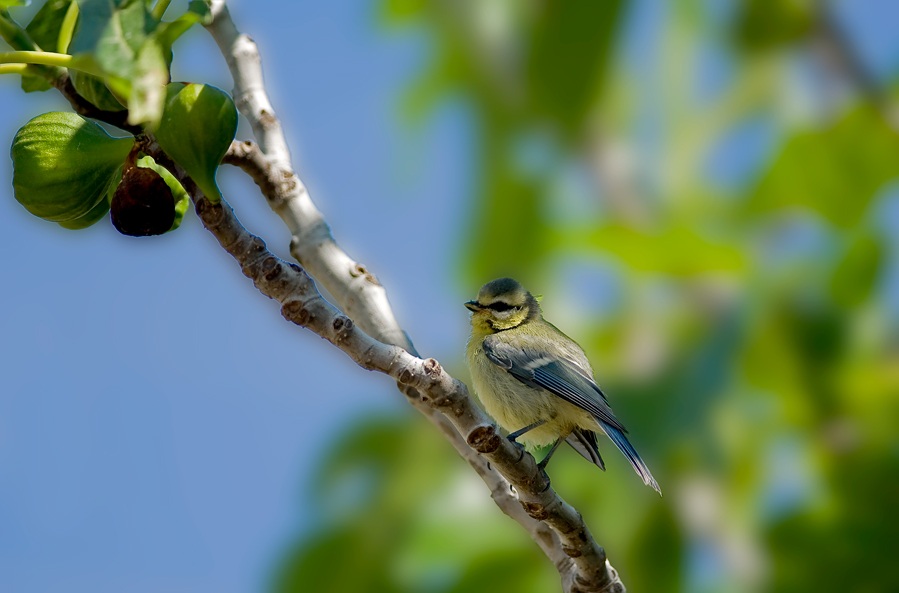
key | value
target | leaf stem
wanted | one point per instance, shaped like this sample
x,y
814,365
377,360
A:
x,y
67,28
13,68
47,58
160,8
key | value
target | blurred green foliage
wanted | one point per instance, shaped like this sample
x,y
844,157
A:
x,y
750,340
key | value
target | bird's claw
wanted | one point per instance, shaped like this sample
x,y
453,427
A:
x,y
519,446
545,477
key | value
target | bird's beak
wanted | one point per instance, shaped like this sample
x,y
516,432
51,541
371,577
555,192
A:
x,y
473,306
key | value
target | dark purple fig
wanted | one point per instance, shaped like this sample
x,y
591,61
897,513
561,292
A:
x,y
143,204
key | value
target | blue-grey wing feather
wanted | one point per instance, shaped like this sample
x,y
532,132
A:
x,y
569,380
561,377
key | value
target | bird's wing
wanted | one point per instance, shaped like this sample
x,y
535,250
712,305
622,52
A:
x,y
533,366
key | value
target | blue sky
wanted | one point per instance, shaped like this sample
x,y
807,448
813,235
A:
x,y
159,422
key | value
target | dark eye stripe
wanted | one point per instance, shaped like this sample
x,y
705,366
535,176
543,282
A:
x,y
499,306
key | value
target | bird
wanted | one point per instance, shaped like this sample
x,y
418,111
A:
x,y
536,382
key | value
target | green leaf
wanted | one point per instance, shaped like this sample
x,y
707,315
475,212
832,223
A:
x,y
856,274
133,49
834,171
112,35
770,24
41,33
9,3
109,37
34,78
197,127
570,52
509,235
149,77
151,69
197,13
677,250
45,25
13,34
94,90
402,11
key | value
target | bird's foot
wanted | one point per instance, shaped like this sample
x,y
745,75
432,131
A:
x,y
545,476
519,446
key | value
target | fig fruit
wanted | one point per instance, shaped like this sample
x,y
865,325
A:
x,y
63,165
182,198
198,123
143,204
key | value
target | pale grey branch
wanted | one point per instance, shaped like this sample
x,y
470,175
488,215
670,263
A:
x,y
568,543
356,290
554,525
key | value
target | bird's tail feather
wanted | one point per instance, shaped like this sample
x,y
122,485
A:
x,y
584,442
625,446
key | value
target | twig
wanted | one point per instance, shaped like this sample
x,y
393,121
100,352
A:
x,y
366,302
581,562
554,525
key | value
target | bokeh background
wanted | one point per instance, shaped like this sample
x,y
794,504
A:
x,y
703,191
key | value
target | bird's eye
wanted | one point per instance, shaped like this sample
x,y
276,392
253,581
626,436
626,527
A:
x,y
500,306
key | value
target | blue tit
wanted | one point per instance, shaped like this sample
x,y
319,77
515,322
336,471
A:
x,y
535,381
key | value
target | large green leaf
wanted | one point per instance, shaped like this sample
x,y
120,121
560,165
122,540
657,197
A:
x,y
41,33
133,50
402,11
509,236
46,23
111,34
570,46
769,24
834,171
196,129
857,272
677,250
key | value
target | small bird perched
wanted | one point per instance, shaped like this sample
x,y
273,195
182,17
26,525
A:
x,y
535,381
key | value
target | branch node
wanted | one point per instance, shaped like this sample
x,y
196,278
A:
x,y
432,369
295,312
209,212
257,245
360,270
484,439
342,325
406,376
271,268
535,510
443,402
267,119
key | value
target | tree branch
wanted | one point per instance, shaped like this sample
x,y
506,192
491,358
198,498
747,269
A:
x,y
356,290
377,343
581,562
366,301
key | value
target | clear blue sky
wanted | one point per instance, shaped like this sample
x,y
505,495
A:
x,y
159,422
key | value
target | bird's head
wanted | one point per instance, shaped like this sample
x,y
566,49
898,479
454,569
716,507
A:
x,y
502,304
